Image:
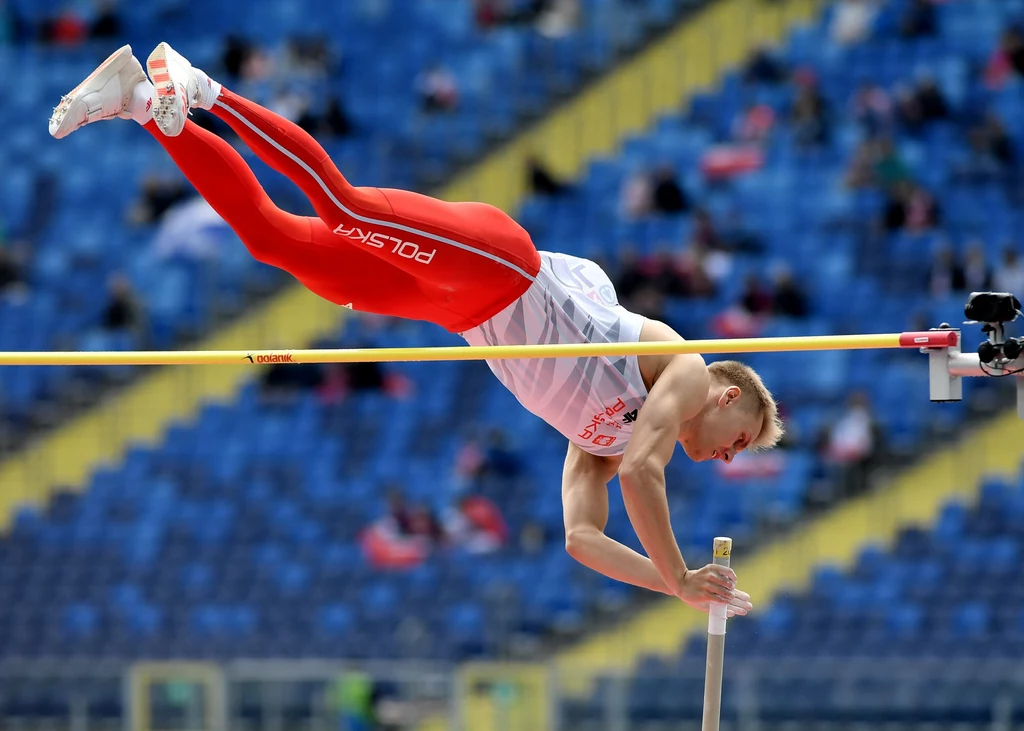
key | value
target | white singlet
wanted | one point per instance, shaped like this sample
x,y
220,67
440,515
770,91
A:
x,y
594,402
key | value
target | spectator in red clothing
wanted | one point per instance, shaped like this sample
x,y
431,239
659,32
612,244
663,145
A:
x,y
476,525
392,541
65,29
1008,59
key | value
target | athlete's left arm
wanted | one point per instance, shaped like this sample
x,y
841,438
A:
x,y
677,395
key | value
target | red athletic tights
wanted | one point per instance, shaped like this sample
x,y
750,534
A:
x,y
386,251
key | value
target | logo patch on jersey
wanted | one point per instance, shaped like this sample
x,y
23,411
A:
x,y
630,417
608,294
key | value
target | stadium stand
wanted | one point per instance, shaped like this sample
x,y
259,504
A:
x,y
917,608
246,539
371,70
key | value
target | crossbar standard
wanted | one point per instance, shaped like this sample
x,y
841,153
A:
x,y
927,339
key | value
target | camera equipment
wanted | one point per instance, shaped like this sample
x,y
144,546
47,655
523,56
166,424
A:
x,y
992,310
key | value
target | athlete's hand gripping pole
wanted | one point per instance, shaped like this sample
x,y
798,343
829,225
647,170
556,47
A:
x,y
716,646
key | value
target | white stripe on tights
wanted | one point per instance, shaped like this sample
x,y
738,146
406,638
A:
x,y
364,219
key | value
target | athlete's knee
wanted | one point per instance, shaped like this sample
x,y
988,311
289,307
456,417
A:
x,y
261,248
271,236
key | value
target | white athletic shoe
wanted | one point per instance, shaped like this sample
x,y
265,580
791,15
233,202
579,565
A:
x,y
106,93
177,88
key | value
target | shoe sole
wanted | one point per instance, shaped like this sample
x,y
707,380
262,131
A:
x,y
167,101
123,54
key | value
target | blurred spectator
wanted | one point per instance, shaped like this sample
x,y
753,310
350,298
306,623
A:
x,y
398,518
332,122
930,100
308,56
107,23
236,56
158,195
876,163
282,381
991,145
531,538
910,207
67,28
1009,275
919,20
190,230
704,232
629,274
734,235
851,442
647,301
494,458
1007,60
851,438
637,197
702,268
425,527
438,89
756,299
809,115
395,540
661,273
736,322
977,272
342,379
352,698
541,181
754,124
668,195
908,110
764,68
559,18
852,20
888,168
945,274
12,277
860,173
789,299
123,312
476,525
339,380
872,107
488,13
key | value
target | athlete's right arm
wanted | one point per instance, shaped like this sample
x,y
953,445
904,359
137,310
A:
x,y
585,480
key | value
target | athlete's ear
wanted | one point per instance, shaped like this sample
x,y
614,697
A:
x,y
729,396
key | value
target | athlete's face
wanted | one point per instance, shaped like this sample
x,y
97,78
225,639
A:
x,y
725,427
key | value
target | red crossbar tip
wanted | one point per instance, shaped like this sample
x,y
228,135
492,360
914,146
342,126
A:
x,y
929,339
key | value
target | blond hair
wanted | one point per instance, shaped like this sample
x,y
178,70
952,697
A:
x,y
752,387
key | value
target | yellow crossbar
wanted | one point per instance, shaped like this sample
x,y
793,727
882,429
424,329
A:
x,y
456,353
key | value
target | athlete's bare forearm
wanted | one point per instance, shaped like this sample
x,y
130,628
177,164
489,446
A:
x,y
595,550
643,492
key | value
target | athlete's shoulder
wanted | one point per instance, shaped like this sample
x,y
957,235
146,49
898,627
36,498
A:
x,y
653,366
